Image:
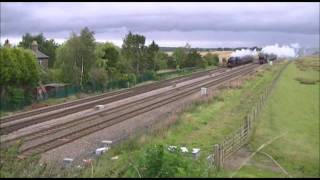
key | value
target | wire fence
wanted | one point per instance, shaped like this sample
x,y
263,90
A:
x,y
241,136
17,99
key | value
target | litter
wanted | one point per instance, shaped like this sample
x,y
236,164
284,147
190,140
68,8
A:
x,y
107,142
102,150
203,91
67,161
184,149
115,158
196,152
99,107
172,148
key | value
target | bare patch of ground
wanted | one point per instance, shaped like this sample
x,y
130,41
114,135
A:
x,y
239,157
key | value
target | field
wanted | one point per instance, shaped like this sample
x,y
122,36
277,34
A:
x,y
293,109
222,54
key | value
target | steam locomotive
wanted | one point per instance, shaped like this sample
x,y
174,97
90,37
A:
x,y
264,58
237,61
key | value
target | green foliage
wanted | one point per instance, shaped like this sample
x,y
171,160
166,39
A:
x,y
171,63
19,74
11,166
193,59
148,75
48,47
76,57
160,61
212,59
150,57
98,77
157,162
179,56
109,58
133,50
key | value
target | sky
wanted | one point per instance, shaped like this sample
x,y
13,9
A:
x,y
204,24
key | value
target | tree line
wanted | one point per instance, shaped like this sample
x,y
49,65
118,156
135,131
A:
x,y
82,61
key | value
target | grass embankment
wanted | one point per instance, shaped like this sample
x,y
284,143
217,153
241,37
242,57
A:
x,y
293,109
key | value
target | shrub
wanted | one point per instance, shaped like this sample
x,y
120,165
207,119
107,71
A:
x,y
303,80
156,161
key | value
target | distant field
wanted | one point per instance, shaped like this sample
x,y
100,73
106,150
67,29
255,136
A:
x,y
293,108
203,53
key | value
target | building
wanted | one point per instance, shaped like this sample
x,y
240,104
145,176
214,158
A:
x,y
7,44
42,58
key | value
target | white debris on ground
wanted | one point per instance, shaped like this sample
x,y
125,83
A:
x,y
67,162
97,107
203,91
102,150
115,158
172,148
196,152
184,149
106,142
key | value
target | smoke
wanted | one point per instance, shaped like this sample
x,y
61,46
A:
x,y
244,52
281,51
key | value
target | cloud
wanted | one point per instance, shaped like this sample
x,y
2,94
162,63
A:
x,y
59,19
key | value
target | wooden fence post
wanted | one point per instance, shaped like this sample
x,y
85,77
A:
x,y
217,156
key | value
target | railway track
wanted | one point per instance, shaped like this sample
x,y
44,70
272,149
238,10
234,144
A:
x,y
47,139
22,120
83,100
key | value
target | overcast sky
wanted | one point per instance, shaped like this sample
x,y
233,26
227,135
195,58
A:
x,y
169,24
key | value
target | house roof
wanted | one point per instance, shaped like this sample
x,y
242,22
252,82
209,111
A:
x,y
40,55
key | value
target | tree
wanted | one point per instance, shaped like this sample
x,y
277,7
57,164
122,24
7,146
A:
x,y
98,77
48,47
193,59
109,58
160,61
76,57
179,56
133,50
151,53
212,59
19,72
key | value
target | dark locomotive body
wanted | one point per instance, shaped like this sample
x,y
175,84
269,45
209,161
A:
x,y
265,58
237,61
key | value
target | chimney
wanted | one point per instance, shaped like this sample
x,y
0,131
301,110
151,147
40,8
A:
x,y
34,46
7,44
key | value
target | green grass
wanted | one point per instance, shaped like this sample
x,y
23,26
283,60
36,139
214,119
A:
x,y
293,108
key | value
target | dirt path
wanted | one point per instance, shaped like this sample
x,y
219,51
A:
x,y
234,162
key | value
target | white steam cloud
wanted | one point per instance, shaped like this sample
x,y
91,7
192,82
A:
x,y
281,51
244,52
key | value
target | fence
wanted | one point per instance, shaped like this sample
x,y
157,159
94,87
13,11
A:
x,y
241,136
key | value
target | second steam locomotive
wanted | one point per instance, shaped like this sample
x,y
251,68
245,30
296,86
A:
x,y
262,59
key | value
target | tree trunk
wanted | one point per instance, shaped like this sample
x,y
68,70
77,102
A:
x,y
81,77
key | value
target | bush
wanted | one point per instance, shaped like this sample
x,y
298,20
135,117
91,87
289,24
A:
x,y
156,162
306,80
15,98
148,75
12,166
213,59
